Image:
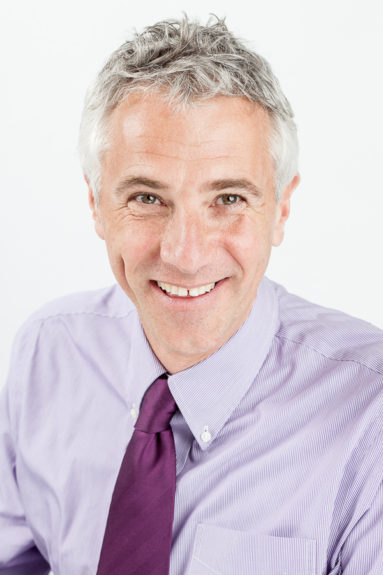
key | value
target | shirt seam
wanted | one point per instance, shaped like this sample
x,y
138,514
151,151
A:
x,y
206,565
312,348
44,318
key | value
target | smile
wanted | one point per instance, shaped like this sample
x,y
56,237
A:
x,y
185,292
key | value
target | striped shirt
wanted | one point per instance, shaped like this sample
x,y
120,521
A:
x,y
278,438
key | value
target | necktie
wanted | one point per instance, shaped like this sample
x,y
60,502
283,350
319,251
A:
x,y
138,532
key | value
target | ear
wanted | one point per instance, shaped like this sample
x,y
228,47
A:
x,y
283,211
95,211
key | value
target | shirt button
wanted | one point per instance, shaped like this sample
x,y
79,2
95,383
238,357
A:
x,y
133,413
206,435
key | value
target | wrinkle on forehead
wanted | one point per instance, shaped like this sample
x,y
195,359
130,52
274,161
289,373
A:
x,y
179,157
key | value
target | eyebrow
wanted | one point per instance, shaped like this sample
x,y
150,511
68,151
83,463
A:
x,y
235,184
216,185
135,181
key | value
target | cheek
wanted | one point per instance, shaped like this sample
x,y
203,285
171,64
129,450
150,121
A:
x,y
132,243
249,243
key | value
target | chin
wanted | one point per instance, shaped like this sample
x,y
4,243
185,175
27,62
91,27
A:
x,y
184,344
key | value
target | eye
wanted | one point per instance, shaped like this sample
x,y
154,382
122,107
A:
x,y
146,199
229,199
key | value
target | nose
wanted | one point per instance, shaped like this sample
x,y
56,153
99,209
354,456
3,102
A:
x,y
186,242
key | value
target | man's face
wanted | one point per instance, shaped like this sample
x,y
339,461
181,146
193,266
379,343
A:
x,y
188,212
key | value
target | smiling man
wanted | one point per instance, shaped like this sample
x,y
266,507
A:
x,y
194,418
189,214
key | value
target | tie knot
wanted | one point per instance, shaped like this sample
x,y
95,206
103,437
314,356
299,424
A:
x,y
157,408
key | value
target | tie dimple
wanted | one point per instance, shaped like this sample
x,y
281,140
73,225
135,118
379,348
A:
x,y
158,407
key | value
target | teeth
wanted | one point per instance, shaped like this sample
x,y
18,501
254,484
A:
x,y
184,292
193,292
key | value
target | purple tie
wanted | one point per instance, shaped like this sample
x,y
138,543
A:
x,y
138,533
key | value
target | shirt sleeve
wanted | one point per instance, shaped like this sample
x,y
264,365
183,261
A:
x,y
362,552
18,553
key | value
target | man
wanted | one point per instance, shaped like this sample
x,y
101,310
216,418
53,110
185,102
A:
x,y
189,151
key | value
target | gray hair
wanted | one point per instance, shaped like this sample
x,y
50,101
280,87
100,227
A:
x,y
188,62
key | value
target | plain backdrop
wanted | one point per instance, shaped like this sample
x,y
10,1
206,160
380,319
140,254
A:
x,y
328,57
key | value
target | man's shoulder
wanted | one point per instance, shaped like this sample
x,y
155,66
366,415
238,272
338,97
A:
x,y
75,313
88,319
107,302
329,332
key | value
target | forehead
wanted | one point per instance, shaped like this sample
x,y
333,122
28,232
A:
x,y
222,136
203,122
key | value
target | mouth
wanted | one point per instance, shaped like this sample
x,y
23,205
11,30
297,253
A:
x,y
184,292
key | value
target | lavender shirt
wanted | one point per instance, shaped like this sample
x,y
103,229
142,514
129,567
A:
x,y
279,440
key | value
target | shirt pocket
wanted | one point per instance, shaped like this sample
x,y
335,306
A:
x,y
219,551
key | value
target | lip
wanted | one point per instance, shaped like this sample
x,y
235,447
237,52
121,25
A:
x,y
178,300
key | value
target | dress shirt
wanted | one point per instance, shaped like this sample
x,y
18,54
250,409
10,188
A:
x,y
278,438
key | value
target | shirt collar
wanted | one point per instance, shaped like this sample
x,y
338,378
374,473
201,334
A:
x,y
208,392
143,366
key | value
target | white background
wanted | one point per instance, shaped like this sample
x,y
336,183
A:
x,y
328,56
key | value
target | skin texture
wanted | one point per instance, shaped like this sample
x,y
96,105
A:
x,y
187,198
